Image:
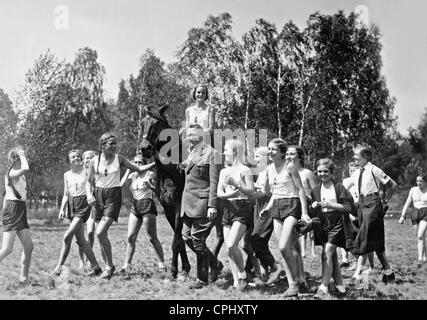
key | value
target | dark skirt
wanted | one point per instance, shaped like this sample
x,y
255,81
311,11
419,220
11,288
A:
x,y
142,207
331,229
286,207
108,203
418,215
237,210
15,216
371,221
79,208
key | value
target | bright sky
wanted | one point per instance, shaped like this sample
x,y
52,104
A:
x,y
121,31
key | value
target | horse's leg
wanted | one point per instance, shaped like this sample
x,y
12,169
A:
x,y
170,216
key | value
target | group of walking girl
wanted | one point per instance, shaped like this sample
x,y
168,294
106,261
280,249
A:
x,y
279,197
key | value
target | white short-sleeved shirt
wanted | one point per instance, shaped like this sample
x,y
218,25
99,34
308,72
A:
x,y
353,189
419,198
328,194
76,183
368,183
20,186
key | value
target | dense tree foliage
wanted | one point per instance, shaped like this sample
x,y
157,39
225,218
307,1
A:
x,y
321,87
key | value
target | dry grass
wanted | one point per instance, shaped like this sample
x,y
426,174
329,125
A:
x,y
146,283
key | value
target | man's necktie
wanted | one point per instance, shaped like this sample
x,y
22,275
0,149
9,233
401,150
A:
x,y
360,179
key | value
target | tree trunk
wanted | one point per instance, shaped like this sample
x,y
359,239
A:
x,y
279,122
247,109
304,111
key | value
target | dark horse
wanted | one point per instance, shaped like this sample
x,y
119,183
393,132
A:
x,y
172,180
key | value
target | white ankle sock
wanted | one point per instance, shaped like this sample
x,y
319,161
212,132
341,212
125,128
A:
x,y
323,288
341,288
241,275
388,272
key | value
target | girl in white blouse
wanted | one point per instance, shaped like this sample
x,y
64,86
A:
x,y
418,199
142,186
104,192
79,211
15,211
287,205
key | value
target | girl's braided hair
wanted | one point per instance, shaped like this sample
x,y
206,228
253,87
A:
x,y
102,141
12,157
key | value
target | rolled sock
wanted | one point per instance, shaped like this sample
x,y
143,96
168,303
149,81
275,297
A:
x,y
161,265
341,288
126,265
388,272
241,275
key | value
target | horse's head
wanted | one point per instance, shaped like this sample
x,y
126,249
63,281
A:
x,y
153,123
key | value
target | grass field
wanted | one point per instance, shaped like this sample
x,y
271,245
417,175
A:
x,y
146,283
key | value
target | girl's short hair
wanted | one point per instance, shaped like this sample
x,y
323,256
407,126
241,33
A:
x,y
281,145
326,162
78,151
102,141
300,153
12,156
193,92
365,151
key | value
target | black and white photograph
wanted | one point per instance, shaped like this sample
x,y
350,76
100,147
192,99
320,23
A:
x,y
226,151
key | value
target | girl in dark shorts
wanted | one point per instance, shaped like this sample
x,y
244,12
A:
x,y
417,198
15,211
263,227
90,223
237,214
142,186
287,205
104,193
78,212
330,201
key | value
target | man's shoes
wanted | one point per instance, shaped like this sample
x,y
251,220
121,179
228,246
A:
x,y
389,278
216,271
345,264
94,272
274,276
198,284
303,288
291,292
107,274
